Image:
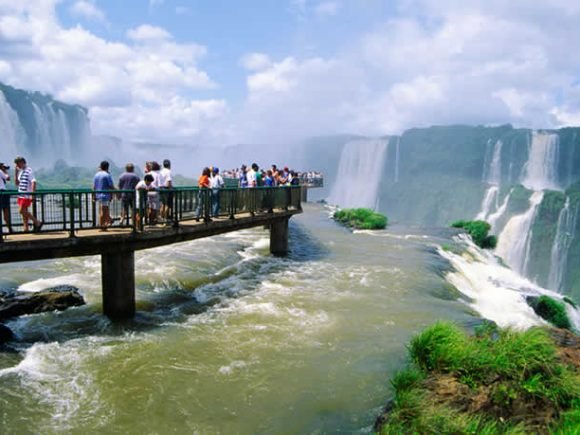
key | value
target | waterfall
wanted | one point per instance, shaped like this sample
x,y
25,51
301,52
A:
x,y
491,176
13,135
540,171
489,200
359,173
562,242
494,217
397,158
515,239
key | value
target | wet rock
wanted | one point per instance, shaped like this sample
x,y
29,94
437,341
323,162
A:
x,y
5,334
55,298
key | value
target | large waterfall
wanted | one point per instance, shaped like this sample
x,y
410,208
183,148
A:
x,y
359,173
514,241
42,129
540,172
491,176
561,246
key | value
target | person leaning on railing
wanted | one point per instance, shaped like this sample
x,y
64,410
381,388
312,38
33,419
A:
x,y
203,184
5,199
103,185
24,179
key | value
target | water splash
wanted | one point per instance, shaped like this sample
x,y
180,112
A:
x,y
515,239
359,173
562,242
540,171
13,135
493,218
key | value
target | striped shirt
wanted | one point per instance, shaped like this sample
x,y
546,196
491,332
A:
x,y
25,180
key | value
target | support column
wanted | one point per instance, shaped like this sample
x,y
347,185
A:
x,y
118,279
279,238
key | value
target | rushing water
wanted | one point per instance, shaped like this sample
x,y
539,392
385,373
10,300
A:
x,y
562,242
227,338
540,171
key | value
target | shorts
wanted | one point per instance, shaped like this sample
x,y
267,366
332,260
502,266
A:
x,y
153,200
4,201
24,202
166,197
104,202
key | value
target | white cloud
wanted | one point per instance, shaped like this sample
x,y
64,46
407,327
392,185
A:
x,y
146,32
256,61
88,10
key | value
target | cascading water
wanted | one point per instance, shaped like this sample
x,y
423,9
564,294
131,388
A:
x,y
491,176
562,242
13,134
514,241
359,173
397,158
540,171
493,218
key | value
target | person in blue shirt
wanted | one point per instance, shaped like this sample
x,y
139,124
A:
x,y
103,187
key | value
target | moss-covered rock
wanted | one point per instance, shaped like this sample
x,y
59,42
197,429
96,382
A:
x,y
478,230
361,218
550,310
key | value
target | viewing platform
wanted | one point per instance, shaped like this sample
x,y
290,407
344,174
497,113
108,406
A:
x,y
70,228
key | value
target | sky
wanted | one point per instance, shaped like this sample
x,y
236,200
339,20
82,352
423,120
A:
x,y
222,72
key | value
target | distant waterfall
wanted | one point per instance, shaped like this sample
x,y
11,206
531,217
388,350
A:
x,y
42,129
493,218
515,239
491,176
562,242
540,171
12,133
397,158
359,173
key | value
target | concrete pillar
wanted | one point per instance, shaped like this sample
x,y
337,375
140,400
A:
x,y
118,279
303,194
279,238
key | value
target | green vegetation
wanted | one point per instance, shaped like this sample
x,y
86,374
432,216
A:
x,y
361,218
550,310
478,230
498,381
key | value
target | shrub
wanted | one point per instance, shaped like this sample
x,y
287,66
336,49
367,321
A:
x,y
478,230
550,310
361,218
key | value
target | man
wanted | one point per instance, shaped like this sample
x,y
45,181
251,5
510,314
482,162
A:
x,y
252,179
102,185
165,186
216,183
5,199
128,181
24,179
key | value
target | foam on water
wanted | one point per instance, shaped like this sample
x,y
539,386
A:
x,y
494,291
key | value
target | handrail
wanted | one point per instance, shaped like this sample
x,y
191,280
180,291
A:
x,y
73,210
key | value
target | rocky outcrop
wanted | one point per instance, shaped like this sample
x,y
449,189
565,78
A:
x,y
5,334
51,299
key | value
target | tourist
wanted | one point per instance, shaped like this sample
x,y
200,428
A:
x,y
269,179
243,176
143,188
252,178
103,185
203,184
216,183
24,179
165,186
128,182
5,199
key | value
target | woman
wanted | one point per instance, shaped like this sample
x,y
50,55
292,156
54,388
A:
x,y
202,196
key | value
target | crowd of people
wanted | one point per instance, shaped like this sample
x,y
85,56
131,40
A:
x,y
153,194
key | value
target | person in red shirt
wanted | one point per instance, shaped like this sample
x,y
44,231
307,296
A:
x,y
202,183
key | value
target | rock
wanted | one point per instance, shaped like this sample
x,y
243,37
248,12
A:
x,y
5,334
55,298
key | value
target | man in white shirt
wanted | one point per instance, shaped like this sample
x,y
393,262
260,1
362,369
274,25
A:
x,y
26,185
165,185
252,176
216,182
5,199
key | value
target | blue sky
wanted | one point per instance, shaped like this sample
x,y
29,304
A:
x,y
276,71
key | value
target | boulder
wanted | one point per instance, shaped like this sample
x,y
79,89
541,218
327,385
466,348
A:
x,y
51,299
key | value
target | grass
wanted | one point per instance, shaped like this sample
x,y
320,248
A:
x,y
478,230
501,370
361,218
550,310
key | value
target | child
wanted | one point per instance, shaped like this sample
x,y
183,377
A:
x,y
152,200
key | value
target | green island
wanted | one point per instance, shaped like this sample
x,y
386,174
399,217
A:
x,y
361,219
496,381
551,310
478,230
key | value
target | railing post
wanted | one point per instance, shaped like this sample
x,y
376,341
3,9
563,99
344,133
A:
x,y
233,198
174,204
134,214
2,217
206,204
72,214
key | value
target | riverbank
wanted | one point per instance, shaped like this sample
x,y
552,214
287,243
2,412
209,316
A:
x,y
495,381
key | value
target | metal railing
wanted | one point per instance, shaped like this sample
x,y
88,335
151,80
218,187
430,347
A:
x,y
78,209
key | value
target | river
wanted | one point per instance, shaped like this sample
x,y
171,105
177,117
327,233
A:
x,y
229,339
